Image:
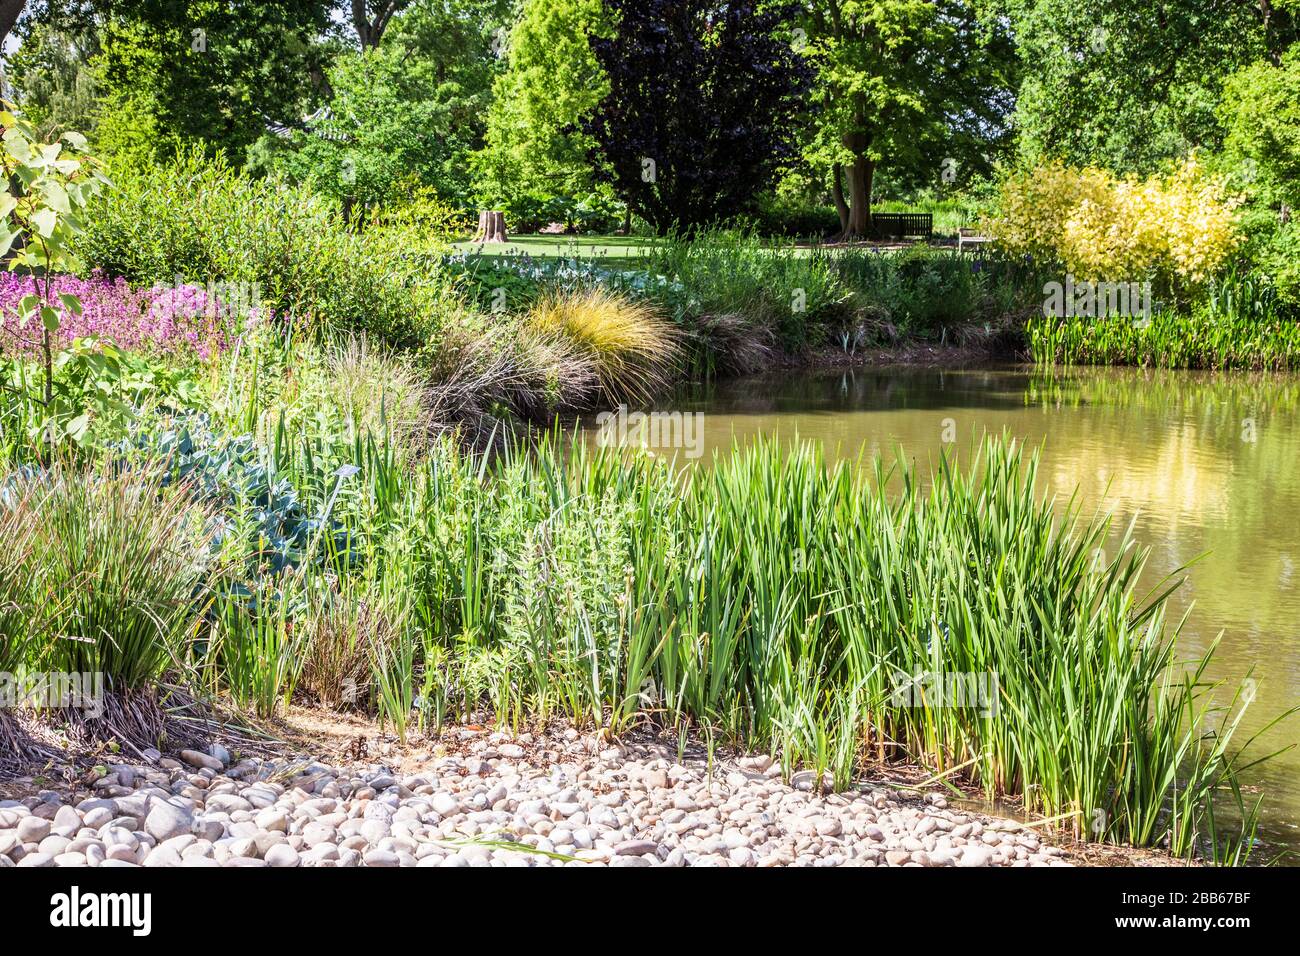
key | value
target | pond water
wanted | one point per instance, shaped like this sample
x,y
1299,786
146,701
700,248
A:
x,y
1206,464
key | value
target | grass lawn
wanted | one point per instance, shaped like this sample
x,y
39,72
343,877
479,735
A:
x,y
620,252
617,250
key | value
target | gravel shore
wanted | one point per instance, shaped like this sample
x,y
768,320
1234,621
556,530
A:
x,y
568,800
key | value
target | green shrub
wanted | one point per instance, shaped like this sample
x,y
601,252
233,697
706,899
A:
x,y
202,220
924,291
773,286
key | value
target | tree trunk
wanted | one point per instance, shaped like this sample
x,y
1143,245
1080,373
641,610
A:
x,y
837,193
861,172
491,226
370,32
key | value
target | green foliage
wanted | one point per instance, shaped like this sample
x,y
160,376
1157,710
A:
x,y
54,80
391,119
772,286
202,220
1131,87
97,391
592,212
203,72
113,565
551,79
1202,338
53,185
1261,111
783,603
919,88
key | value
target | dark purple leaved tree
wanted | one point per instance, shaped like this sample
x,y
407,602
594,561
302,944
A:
x,y
701,104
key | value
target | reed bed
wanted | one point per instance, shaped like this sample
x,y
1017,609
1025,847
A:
x,y
838,615
826,612
1197,340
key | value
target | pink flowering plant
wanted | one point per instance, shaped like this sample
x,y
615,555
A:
x,y
183,320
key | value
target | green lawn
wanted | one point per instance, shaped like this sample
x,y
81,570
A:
x,y
616,249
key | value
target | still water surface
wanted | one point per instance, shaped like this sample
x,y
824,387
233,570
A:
x,y
1205,464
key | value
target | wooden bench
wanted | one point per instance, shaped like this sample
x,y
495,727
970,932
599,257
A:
x,y
970,237
894,226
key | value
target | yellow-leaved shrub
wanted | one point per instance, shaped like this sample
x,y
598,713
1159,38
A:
x,y
1181,227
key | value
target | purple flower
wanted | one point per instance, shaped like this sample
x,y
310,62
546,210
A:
x,y
182,320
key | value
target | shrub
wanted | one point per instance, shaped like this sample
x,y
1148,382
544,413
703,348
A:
x,y
732,271
1180,228
923,291
201,220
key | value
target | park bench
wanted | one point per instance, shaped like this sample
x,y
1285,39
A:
x,y
970,237
896,226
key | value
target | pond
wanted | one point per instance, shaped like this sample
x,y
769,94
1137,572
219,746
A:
x,y
1207,465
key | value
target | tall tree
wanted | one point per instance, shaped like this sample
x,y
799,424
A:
x,y
549,82
210,71
699,113
1131,84
921,85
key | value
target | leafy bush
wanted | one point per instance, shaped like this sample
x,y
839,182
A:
x,y
199,219
593,212
780,215
733,271
1180,228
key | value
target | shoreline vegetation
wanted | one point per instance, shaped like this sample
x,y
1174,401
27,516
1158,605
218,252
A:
x,y
337,437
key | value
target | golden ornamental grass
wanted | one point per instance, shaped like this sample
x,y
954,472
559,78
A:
x,y
632,347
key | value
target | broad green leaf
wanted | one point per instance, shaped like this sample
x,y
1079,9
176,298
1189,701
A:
x,y
44,221
78,427
49,319
70,302
56,197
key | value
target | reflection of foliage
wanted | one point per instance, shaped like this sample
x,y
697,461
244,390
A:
x,y
1228,396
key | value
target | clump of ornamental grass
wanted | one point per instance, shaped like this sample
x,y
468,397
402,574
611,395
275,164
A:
x,y
102,590
17,581
632,348
116,563
377,391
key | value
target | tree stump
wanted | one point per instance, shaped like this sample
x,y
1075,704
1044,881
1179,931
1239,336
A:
x,y
491,226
